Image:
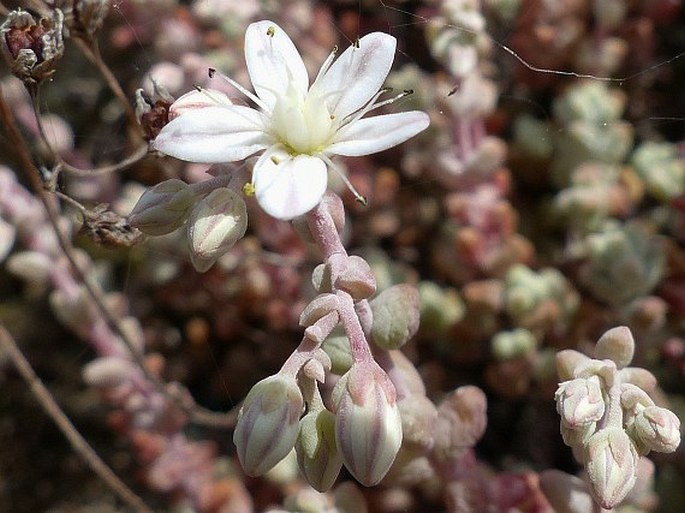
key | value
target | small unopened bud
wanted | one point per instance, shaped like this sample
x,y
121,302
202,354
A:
x,y
268,423
32,47
163,208
317,452
658,429
611,459
580,401
368,426
215,224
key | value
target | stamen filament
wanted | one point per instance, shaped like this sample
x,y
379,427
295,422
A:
x,y
370,105
361,199
325,66
253,97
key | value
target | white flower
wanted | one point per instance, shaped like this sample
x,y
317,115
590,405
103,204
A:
x,y
297,126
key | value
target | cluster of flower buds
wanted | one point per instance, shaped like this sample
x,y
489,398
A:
x,y
608,417
215,215
31,46
357,422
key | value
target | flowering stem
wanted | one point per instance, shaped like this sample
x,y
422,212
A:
x,y
328,239
353,329
78,443
324,231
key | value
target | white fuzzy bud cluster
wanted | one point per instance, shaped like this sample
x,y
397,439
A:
x,y
608,416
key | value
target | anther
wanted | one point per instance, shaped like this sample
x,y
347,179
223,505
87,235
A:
x,y
271,31
211,72
249,190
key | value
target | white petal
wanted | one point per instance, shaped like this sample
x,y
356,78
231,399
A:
x,y
378,133
198,99
287,186
273,62
213,135
359,73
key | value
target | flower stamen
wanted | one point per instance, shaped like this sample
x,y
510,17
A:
x,y
213,72
358,197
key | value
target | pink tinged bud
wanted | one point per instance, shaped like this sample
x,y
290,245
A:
x,y
215,224
163,208
268,423
198,99
580,401
317,452
658,429
618,345
395,316
368,426
611,464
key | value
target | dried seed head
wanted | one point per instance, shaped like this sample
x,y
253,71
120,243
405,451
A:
x,y
32,46
85,17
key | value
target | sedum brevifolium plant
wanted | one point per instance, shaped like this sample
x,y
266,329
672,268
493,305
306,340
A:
x,y
609,418
347,399
297,127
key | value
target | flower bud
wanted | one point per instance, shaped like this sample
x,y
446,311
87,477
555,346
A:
x,y
658,429
163,208
580,401
317,452
368,426
611,463
215,224
32,47
267,425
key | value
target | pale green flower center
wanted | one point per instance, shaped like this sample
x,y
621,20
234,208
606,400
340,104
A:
x,y
303,123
